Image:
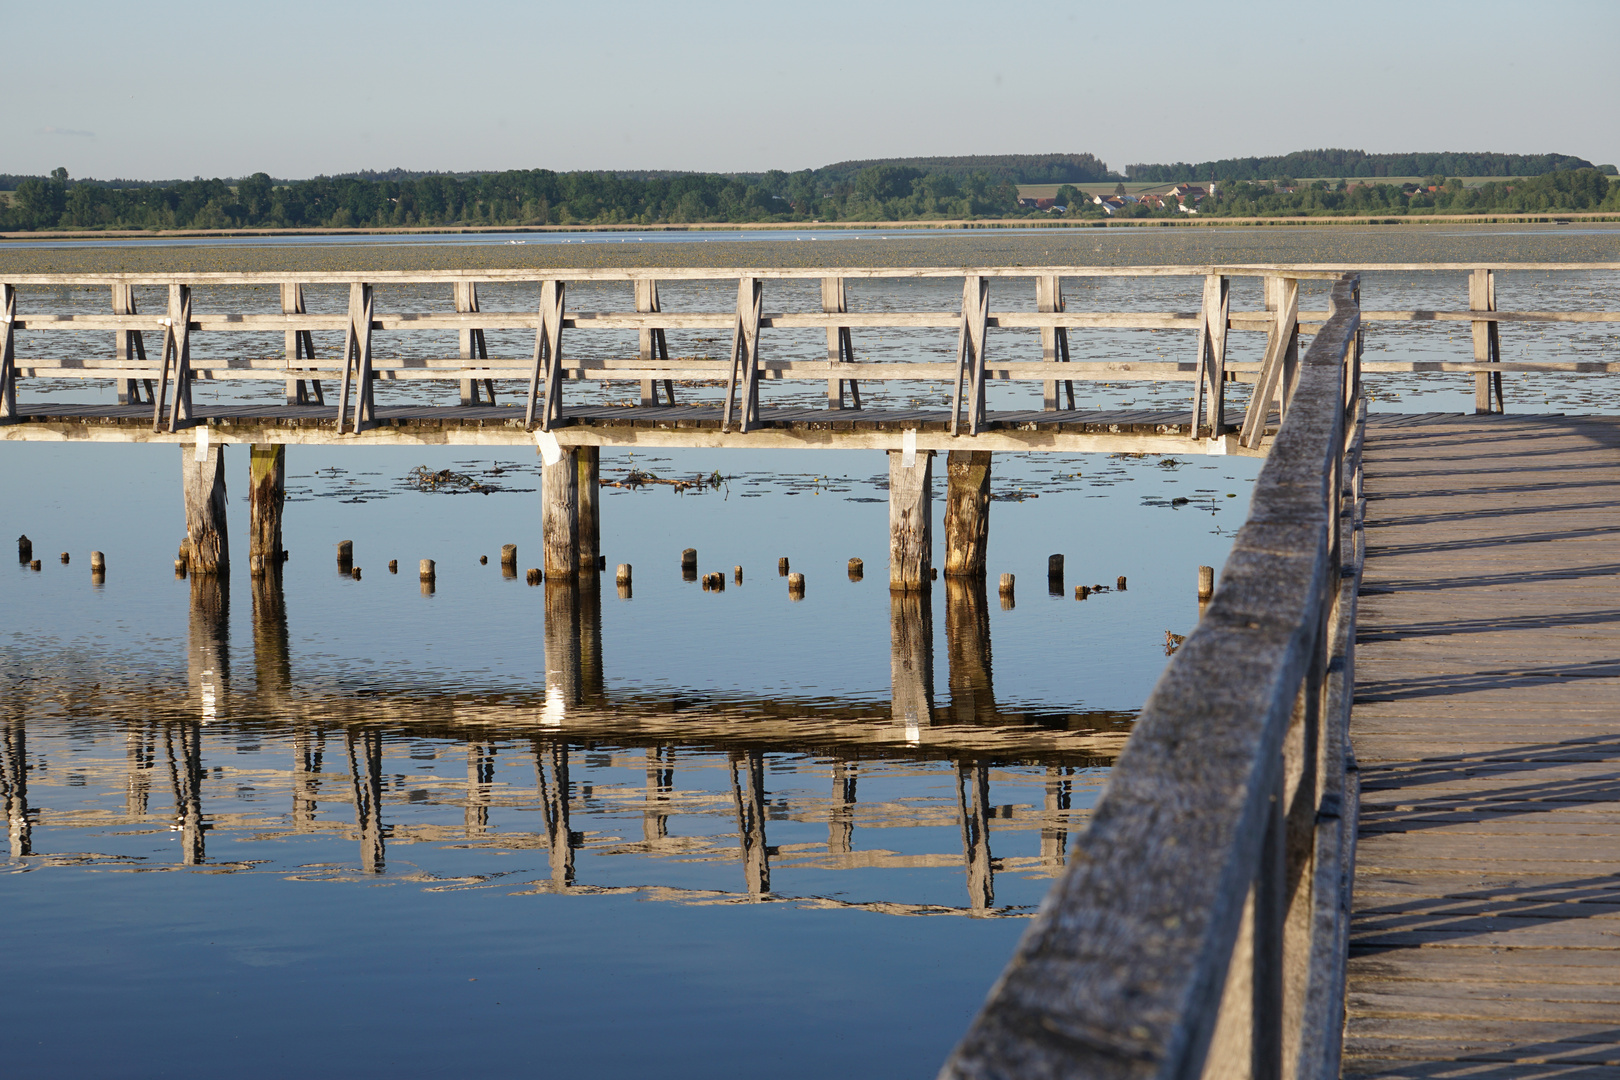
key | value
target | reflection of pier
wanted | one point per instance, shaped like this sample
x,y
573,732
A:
x,y
574,710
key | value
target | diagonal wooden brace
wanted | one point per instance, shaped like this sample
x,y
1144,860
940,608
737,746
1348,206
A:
x,y
1283,339
970,340
8,354
654,346
547,357
357,362
1209,386
176,348
745,354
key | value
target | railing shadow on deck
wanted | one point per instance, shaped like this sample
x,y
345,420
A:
x,y
1202,927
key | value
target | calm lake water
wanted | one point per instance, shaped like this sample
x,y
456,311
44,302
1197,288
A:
x,y
332,825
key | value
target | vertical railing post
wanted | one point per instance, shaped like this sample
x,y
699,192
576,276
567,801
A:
x,y
1282,343
357,359
8,354
300,346
970,353
840,345
547,355
1054,339
1210,379
176,345
1487,342
745,354
654,345
473,346
128,345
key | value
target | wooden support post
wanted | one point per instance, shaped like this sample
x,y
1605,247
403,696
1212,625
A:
x,y
547,357
1209,386
128,345
967,512
589,460
176,357
202,476
745,354
300,345
559,514
970,354
473,345
911,658
357,361
1487,342
967,650
911,536
654,346
1054,339
267,494
840,345
8,354
1282,299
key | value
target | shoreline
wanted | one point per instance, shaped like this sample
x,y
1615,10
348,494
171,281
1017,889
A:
x,y
988,224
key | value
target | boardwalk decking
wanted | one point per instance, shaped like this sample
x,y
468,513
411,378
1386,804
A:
x,y
1486,934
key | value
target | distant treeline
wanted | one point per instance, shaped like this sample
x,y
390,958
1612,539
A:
x,y
1358,164
1554,192
901,190
1019,168
519,197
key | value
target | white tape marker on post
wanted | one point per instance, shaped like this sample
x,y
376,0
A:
x,y
550,448
908,449
202,443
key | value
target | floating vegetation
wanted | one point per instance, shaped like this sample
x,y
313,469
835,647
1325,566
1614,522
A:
x,y
637,478
423,478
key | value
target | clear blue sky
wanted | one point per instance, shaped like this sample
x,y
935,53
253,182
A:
x,y
296,88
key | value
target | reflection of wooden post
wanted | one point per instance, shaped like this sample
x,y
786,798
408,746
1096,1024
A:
x,y
267,494
967,648
973,804
1054,836
911,657
14,784
554,798
589,494
748,797
563,676
272,659
911,519
589,621
308,749
480,775
203,483
660,783
967,512
140,754
365,773
559,514
208,651
841,811
186,777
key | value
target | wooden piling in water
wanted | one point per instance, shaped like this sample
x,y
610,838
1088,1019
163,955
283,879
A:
x,y
1206,582
796,586
559,514
589,464
857,569
345,556
393,566
911,519
98,563
34,565
1119,584
621,575
782,567
65,558
534,576
508,554
202,477
967,512
425,570
1054,575
736,575
267,496
25,549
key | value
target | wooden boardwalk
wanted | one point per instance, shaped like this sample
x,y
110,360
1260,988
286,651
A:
x,y
1486,935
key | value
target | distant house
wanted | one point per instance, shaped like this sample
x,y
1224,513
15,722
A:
x,y
1110,204
1185,193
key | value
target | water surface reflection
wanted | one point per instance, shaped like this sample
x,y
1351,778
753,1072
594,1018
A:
x,y
687,797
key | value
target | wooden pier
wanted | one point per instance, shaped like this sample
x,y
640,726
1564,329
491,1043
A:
x,y
1486,933
1204,926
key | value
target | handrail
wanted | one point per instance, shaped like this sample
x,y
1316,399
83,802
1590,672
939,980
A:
x,y
1283,321
1202,920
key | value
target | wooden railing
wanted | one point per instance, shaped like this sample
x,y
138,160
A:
x,y
169,370
1201,928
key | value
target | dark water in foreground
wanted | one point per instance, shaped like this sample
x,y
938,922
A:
x,y
341,825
